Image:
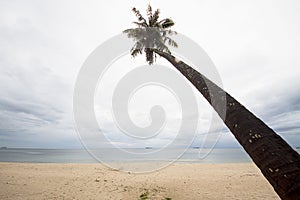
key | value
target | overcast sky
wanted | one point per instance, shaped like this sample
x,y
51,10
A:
x,y
254,45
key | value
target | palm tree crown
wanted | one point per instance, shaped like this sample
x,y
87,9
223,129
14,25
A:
x,y
150,35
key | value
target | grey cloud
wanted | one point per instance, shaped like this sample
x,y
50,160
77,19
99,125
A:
x,y
42,112
44,43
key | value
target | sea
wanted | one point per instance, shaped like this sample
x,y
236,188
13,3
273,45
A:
x,y
191,155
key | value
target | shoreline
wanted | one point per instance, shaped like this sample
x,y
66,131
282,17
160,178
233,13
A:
x,y
95,181
130,161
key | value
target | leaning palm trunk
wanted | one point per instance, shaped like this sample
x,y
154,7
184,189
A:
x,y
278,162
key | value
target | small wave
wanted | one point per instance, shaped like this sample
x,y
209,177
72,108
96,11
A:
x,y
33,153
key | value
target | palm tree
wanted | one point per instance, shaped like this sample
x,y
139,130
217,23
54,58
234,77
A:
x,y
278,162
151,35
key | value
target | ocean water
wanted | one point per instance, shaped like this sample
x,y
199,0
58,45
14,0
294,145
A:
x,y
236,155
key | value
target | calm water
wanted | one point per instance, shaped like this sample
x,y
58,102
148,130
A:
x,y
81,156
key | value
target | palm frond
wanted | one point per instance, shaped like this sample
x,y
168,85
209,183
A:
x,y
136,33
167,32
155,17
167,23
149,11
170,32
138,15
141,24
160,45
150,15
135,52
170,42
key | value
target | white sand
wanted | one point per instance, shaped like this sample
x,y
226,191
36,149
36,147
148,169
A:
x,y
94,181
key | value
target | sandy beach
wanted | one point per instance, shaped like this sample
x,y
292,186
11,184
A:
x,y
95,181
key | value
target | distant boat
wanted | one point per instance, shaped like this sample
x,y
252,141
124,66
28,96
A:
x,y
196,147
297,147
148,147
2,148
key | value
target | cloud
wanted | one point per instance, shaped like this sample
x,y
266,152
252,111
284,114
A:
x,y
43,44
